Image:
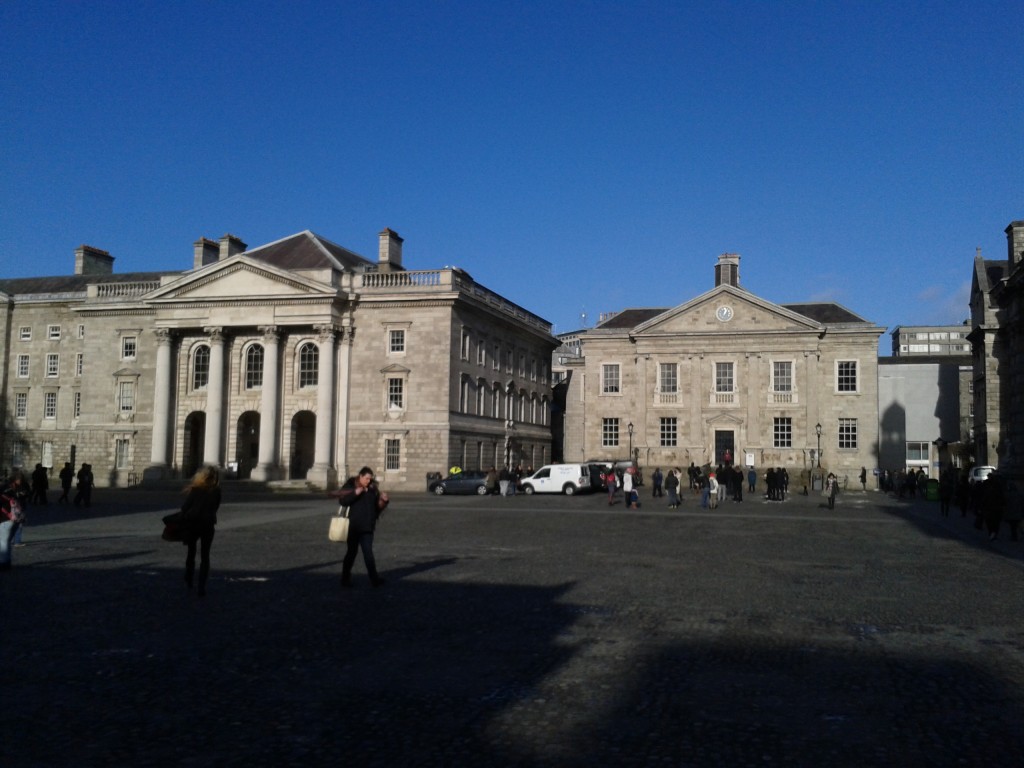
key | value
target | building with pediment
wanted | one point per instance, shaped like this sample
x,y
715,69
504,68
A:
x,y
728,375
298,359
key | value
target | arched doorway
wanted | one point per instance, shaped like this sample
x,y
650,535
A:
x,y
303,444
194,437
247,443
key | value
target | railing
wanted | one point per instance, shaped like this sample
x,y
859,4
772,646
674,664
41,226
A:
x,y
667,398
781,398
723,398
111,291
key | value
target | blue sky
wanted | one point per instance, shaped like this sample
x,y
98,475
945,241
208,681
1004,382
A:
x,y
577,157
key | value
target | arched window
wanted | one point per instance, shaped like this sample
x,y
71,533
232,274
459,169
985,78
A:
x,y
309,365
201,367
254,367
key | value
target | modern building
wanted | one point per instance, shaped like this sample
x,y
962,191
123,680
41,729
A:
x,y
931,340
728,375
298,359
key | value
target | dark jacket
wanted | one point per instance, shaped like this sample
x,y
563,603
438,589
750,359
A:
x,y
200,508
364,509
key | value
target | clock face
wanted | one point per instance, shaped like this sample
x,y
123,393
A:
x,y
724,313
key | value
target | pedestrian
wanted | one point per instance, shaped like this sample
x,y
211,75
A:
x,y
783,474
627,486
365,503
1014,510
831,489
712,491
610,484
751,480
40,485
672,486
656,480
199,520
863,478
13,499
85,481
504,478
963,493
66,476
694,474
947,488
491,483
992,502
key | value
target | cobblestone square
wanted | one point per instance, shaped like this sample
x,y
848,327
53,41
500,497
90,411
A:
x,y
526,631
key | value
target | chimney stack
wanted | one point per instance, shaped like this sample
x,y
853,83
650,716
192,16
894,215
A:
x,y
1015,243
230,246
205,252
727,270
93,261
390,254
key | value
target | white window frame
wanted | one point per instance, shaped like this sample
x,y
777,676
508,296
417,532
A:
x,y
79,364
496,362
668,378
847,435
668,431
25,333
126,397
76,410
611,378
785,383
481,354
782,432
610,432
24,366
122,452
842,383
52,365
396,341
81,331
53,332
464,344
395,392
50,405
130,347
720,378
307,367
21,405
392,454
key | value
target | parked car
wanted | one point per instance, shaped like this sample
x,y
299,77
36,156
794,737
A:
x,y
464,482
979,474
558,478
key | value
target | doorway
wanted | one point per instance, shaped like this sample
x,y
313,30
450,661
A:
x,y
725,446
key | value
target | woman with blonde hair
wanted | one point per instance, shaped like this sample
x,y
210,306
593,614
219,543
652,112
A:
x,y
199,518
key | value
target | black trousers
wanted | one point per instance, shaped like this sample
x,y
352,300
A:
x,y
357,541
205,540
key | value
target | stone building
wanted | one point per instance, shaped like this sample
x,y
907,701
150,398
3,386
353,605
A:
x,y
1009,297
986,353
298,359
728,375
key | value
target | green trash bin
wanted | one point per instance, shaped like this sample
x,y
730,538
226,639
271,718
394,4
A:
x,y
932,491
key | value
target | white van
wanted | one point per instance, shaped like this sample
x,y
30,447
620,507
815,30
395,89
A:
x,y
558,478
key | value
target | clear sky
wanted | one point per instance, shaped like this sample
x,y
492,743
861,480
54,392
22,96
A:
x,y
576,157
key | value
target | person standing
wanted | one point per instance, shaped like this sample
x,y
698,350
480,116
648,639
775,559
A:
x,y
66,476
504,478
992,502
657,479
40,485
947,487
672,487
85,479
365,504
712,491
751,480
863,478
13,498
831,489
627,486
611,482
199,520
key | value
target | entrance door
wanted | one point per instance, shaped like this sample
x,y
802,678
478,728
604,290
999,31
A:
x,y
725,446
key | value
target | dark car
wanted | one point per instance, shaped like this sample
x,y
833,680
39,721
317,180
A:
x,y
463,482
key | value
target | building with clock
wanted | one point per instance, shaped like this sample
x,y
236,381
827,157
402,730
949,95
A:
x,y
727,375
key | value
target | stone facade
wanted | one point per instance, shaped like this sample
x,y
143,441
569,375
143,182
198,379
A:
x,y
728,372
1009,296
298,359
986,353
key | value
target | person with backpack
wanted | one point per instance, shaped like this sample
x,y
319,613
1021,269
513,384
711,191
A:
x,y
13,498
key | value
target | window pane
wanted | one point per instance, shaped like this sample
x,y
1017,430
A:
x,y
723,377
254,367
846,376
309,365
610,378
396,393
50,405
128,347
669,434
201,368
392,454
668,378
397,342
782,378
847,433
610,433
783,433
126,396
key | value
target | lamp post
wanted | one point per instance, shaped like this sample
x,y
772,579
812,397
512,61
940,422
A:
x,y
629,429
817,429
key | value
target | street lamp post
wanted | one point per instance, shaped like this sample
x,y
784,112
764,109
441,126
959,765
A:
x,y
817,429
629,429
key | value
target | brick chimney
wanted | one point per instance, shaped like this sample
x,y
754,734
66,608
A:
x,y
231,246
93,261
727,270
1015,243
390,254
205,252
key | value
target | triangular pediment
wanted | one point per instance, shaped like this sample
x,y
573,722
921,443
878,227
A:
x,y
726,309
239,278
394,368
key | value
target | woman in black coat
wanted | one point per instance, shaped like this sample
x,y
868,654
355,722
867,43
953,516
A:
x,y
199,518
365,504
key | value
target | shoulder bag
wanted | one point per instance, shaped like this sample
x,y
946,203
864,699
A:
x,y
339,526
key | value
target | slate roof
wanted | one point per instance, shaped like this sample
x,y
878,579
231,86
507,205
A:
x,y
306,250
74,283
630,318
826,313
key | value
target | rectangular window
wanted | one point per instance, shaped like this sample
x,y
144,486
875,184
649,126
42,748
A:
x,y
392,454
669,432
510,360
782,376
20,405
77,405
522,366
481,354
917,452
25,333
465,345
50,405
848,433
52,365
846,376
396,341
81,331
396,394
53,332
724,381
610,433
533,369
79,364
121,447
668,378
128,347
783,433
126,397
22,366
610,378
464,396
480,390
496,361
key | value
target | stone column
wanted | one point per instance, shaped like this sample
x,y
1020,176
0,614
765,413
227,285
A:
x,y
342,385
162,416
213,445
323,473
267,467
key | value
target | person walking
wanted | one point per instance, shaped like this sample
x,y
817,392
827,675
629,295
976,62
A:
x,y
947,488
365,504
610,484
672,487
85,480
40,485
657,479
992,502
13,498
66,476
199,520
831,489
712,491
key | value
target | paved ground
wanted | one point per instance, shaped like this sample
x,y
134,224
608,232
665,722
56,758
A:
x,y
521,631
